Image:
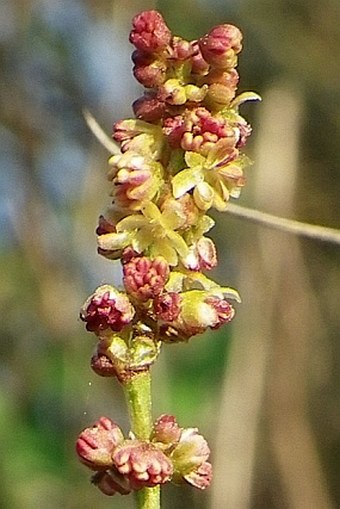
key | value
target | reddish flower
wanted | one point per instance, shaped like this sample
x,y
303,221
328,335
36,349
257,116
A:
x,y
198,130
148,70
96,444
201,477
144,278
166,431
189,459
150,32
225,311
202,255
180,49
149,108
221,45
102,365
106,309
142,463
198,64
167,306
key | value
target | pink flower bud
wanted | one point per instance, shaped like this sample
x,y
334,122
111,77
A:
x,y
198,64
135,178
166,431
202,255
180,49
142,463
144,278
102,365
225,311
221,45
167,306
96,444
201,477
106,309
149,32
149,108
244,132
149,71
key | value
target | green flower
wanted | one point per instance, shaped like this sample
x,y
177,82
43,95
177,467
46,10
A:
x,y
213,179
151,232
140,137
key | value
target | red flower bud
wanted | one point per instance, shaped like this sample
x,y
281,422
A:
x,y
167,306
225,311
149,32
166,430
102,365
142,463
198,64
96,444
106,309
221,45
201,477
144,278
149,71
149,108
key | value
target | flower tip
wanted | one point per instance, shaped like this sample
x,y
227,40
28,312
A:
x,y
149,32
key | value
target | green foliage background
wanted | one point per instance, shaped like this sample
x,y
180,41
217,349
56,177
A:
x,y
56,58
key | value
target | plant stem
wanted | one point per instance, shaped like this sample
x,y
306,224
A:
x,y
138,397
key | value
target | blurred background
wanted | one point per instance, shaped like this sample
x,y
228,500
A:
x,y
265,390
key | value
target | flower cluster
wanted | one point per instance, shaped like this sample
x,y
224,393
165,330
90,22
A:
x,y
179,157
158,305
123,464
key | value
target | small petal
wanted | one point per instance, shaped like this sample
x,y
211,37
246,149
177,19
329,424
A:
x,y
185,180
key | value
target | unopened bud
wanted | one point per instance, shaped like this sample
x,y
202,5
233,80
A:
x,y
166,431
150,32
145,278
221,45
142,463
96,444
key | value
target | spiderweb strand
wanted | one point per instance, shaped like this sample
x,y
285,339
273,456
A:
x,y
316,232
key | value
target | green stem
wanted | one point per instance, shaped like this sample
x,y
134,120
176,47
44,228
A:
x,y
138,397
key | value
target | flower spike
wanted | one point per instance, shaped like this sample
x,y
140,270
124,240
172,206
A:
x,y
181,156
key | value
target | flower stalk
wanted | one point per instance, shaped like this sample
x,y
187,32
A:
x,y
178,158
138,398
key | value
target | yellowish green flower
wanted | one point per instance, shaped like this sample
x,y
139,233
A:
x,y
139,137
213,179
150,232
